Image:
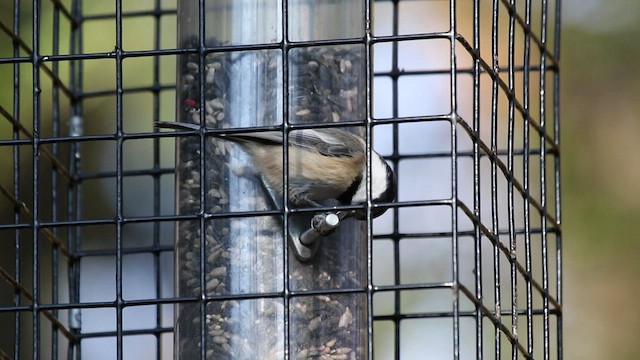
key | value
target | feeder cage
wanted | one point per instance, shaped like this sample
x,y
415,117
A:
x,y
135,224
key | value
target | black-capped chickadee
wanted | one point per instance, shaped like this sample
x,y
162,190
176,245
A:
x,y
327,163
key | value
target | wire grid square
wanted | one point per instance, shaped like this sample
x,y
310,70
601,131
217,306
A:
x,y
472,253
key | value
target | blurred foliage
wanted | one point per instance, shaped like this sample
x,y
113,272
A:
x,y
600,83
601,176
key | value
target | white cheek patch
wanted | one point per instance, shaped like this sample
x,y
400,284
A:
x,y
379,176
378,181
360,195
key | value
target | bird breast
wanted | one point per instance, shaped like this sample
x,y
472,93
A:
x,y
312,176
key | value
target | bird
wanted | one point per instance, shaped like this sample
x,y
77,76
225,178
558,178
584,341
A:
x,y
324,164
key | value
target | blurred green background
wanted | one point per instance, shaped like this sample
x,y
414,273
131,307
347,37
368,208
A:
x,y
600,132
601,178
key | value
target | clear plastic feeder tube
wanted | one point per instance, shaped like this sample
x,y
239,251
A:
x,y
243,255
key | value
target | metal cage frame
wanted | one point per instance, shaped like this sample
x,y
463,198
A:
x,y
510,223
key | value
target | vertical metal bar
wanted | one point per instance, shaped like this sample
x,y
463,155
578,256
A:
x,y
556,138
454,177
513,259
543,180
396,165
494,174
476,178
74,191
368,140
203,170
156,175
54,179
526,76
119,182
35,61
55,93
17,238
286,293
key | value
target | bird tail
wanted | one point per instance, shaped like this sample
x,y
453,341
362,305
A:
x,y
175,125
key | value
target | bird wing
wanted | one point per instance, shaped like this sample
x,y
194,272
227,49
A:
x,y
329,142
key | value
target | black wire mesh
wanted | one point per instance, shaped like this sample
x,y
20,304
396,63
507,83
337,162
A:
x,y
464,104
